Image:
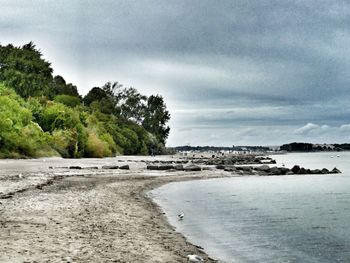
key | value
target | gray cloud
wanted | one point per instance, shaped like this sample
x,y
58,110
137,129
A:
x,y
243,71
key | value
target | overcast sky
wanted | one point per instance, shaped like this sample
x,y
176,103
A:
x,y
232,72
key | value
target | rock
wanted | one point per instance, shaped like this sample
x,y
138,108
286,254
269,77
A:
x,y
230,168
335,171
152,167
74,167
283,170
166,167
264,168
207,168
160,167
316,171
220,166
302,170
192,168
295,169
244,168
124,167
179,167
324,171
274,171
110,167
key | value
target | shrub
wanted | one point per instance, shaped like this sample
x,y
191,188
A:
x,y
95,147
70,101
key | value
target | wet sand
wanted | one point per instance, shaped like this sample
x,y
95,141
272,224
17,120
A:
x,y
89,215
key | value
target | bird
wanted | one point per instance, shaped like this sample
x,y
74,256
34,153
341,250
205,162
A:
x,y
20,176
181,216
194,258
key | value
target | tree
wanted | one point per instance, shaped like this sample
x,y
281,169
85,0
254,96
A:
x,y
132,105
98,99
95,94
155,118
68,100
24,70
60,87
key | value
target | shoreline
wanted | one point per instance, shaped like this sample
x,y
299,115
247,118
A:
x,y
195,249
95,217
51,212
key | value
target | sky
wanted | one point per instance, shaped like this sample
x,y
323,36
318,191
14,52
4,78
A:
x,y
231,72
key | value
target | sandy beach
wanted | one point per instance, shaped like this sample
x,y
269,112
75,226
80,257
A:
x,y
52,214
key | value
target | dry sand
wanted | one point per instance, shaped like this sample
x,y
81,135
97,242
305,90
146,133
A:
x,y
90,216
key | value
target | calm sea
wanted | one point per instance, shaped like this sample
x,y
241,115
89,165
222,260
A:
x,y
267,219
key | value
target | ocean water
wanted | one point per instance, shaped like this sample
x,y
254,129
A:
x,y
267,219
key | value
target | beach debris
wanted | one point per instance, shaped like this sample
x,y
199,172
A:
x,y
75,167
110,167
194,258
335,171
125,167
181,216
192,168
160,167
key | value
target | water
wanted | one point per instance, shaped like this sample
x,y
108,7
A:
x,y
267,219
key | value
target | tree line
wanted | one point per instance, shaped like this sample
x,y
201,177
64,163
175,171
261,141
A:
x,y
42,115
309,147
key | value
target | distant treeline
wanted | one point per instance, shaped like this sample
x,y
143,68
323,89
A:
x,y
42,115
309,147
217,149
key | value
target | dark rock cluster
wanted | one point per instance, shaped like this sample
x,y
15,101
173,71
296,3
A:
x,y
240,160
267,170
175,167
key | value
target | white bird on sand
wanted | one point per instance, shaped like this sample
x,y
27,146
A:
x,y
181,216
20,176
194,258
338,155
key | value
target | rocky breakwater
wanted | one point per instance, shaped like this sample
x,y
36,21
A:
x,y
174,167
267,170
240,160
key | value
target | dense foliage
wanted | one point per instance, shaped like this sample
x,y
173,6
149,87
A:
x,y
42,115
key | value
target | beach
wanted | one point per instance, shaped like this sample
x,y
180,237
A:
x,y
88,215
99,210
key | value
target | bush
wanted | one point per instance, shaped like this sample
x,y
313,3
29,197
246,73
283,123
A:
x,y
70,101
58,116
95,147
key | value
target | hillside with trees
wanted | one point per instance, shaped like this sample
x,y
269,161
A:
x,y
309,147
42,115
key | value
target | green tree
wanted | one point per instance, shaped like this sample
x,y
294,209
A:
x,y
132,105
60,87
68,100
95,94
155,118
19,135
24,70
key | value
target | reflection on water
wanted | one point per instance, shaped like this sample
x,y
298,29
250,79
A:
x,y
267,219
